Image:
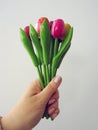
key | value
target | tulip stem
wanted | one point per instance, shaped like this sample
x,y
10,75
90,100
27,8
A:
x,y
47,74
45,77
56,46
54,71
40,77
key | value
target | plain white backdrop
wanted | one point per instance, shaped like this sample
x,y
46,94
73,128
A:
x,y
79,69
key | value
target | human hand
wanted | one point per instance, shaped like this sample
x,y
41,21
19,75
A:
x,y
30,108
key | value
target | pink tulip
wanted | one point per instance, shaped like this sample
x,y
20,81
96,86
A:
x,y
26,29
58,28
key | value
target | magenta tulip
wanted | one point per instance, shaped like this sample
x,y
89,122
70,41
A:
x,y
58,28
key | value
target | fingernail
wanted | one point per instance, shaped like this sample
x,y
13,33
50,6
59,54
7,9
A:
x,y
51,101
51,111
57,79
54,116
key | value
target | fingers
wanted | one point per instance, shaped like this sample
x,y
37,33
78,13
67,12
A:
x,y
53,110
55,113
52,106
54,97
35,88
50,89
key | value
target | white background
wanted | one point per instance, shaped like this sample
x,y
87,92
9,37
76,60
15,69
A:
x,y
79,90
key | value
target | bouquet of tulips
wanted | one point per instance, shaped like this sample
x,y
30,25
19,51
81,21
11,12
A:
x,y
47,44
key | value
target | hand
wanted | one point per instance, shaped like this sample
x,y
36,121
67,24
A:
x,y
30,108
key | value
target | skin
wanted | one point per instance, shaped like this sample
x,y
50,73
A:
x,y
29,110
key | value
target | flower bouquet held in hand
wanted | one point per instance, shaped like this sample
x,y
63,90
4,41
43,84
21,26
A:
x,y
47,44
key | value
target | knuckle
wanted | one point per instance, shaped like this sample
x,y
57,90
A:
x,y
52,86
56,94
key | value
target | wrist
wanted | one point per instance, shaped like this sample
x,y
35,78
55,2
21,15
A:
x,y
6,123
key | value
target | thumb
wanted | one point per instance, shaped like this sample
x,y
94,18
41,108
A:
x,y
50,89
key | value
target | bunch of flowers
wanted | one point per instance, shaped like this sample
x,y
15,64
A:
x,y
47,45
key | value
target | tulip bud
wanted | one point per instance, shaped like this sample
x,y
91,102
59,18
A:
x,y
40,21
58,28
26,29
67,28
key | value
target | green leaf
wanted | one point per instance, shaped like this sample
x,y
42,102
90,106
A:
x,y
61,53
28,46
45,41
35,40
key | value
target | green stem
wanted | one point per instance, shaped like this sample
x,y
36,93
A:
x,y
51,49
54,70
45,79
40,67
51,56
47,74
56,46
50,71
40,77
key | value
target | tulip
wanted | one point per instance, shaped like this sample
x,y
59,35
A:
x,y
26,29
67,28
58,28
40,21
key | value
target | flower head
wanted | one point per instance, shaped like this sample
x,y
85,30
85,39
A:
x,y
58,28
67,28
40,21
